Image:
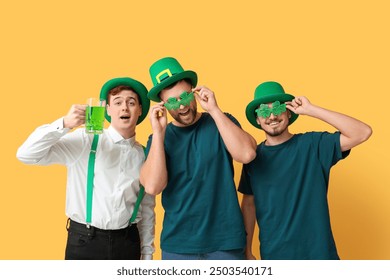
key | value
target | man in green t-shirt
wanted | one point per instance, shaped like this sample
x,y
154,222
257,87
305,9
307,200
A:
x,y
190,161
286,186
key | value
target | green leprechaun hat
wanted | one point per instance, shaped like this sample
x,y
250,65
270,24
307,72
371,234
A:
x,y
164,73
265,93
138,88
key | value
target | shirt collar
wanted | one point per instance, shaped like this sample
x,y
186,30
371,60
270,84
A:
x,y
118,139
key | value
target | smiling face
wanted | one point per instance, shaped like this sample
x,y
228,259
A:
x,y
274,125
184,115
124,109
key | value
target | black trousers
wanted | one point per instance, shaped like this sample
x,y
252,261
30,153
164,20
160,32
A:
x,y
97,244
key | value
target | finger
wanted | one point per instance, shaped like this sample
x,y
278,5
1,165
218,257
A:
x,y
80,106
157,105
198,88
298,100
294,103
164,112
155,111
159,112
203,95
197,96
79,109
291,108
195,91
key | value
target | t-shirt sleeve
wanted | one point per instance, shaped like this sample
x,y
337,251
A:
x,y
148,144
328,148
244,186
233,119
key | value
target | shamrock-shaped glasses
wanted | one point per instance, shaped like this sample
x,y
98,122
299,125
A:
x,y
277,109
185,100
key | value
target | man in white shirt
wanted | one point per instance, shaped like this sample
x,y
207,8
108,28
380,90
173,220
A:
x,y
109,227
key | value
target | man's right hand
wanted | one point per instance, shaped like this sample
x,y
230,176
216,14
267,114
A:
x,y
158,118
75,116
249,255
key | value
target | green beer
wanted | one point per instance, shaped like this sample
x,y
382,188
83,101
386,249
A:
x,y
94,119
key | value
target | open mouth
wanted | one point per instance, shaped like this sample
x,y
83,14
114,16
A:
x,y
185,113
274,123
125,117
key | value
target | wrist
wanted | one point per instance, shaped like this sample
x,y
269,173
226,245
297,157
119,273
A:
x,y
159,135
214,112
65,123
312,111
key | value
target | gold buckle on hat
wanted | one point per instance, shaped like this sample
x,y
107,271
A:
x,y
166,71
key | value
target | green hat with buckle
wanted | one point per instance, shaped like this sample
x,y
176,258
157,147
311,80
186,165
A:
x,y
138,88
265,93
165,72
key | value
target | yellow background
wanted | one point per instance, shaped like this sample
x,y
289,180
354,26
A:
x,y
57,53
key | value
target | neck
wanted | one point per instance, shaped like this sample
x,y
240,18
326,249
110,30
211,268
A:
x,y
279,139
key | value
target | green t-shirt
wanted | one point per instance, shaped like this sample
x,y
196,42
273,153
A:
x,y
202,212
290,184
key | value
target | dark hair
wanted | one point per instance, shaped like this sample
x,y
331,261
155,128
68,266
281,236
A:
x,y
188,81
114,91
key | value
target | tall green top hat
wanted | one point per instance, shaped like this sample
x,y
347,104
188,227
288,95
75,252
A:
x,y
139,89
165,72
267,92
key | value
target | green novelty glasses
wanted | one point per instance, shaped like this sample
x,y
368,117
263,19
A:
x,y
185,100
277,109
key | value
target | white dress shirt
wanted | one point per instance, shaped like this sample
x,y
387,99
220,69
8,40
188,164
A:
x,y
116,180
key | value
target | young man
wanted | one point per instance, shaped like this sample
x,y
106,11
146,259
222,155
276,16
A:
x,y
285,187
103,228
190,162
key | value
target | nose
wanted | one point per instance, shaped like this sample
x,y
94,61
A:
x,y
125,107
181,106
272,116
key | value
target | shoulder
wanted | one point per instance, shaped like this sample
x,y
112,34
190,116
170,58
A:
x,y
139,146
230,116
319,135
233,119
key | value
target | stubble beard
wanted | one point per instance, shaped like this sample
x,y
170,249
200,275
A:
x,y
183,120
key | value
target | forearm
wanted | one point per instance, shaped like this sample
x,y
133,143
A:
x,y
240,144
146,226
153,174
249,215
39,143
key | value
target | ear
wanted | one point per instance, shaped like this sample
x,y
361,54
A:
x,y
108,109
258,121
140,111
289,114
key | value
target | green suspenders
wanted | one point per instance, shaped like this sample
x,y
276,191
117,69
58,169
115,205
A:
x,y
90,176
91,172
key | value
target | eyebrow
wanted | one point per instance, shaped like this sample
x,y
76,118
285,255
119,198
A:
x,y
117,97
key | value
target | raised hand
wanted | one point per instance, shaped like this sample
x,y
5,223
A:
x,y
158,117
75,116
299,105
206,98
